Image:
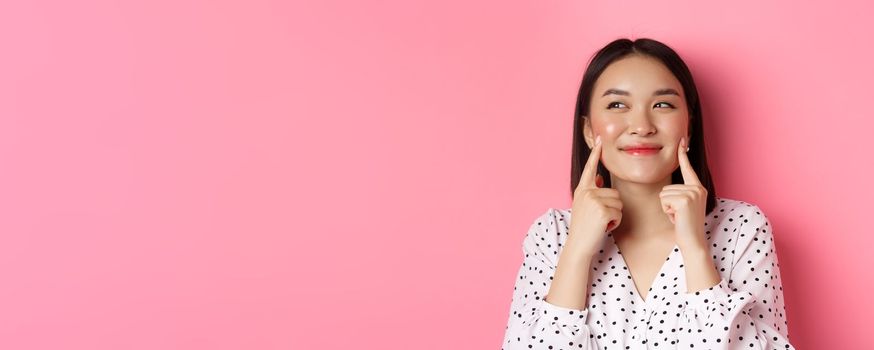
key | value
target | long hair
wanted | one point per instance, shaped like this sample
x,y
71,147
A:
x,y
616,50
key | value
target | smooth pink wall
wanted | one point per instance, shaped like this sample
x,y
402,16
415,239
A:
x,y
360,174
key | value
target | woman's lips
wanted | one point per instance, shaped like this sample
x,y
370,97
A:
x,y
641,151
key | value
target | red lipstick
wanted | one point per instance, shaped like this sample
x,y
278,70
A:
x,y
642,149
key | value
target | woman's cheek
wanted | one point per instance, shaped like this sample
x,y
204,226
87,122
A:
x,y
610,131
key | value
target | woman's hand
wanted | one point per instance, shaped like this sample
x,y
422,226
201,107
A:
x,y
595,210
686,205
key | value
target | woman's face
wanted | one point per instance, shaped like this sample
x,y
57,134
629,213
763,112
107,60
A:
x,y
637,100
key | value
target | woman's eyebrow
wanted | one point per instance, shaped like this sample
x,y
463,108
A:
x,y
666,91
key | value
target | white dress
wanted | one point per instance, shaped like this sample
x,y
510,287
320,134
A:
x,y
745,310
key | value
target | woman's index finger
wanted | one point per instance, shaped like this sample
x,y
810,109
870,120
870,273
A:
x,y
686,169
591,167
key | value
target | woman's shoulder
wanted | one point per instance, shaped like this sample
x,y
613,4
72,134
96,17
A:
x,y
736,223
553,218
729,209
551,226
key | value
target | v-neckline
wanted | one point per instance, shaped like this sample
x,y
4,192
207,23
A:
x,y
634,287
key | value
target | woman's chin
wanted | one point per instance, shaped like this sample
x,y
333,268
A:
x,y
641,178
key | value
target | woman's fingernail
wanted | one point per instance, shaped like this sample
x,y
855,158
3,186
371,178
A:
x,y
598,140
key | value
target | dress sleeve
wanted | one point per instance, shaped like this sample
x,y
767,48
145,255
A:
x,y
747,311
533,322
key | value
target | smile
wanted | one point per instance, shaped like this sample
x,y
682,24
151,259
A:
x,y
641,151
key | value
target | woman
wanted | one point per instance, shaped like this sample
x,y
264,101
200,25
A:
x,y
647,257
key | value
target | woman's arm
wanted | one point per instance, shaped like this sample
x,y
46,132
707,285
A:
x,y
747,311
533,322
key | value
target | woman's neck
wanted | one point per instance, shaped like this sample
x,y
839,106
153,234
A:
x,y
642,215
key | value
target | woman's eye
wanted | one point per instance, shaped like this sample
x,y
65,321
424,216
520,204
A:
x,y
611,105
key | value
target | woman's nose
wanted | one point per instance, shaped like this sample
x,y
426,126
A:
x,y
640,124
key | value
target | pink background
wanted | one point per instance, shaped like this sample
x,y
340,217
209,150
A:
x,y
330,174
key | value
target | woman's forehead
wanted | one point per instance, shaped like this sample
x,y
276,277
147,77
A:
x,y
636,75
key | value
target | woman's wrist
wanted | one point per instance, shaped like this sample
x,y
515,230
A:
x,y
700,270
582,248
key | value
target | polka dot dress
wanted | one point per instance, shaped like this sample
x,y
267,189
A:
x,y
745,310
